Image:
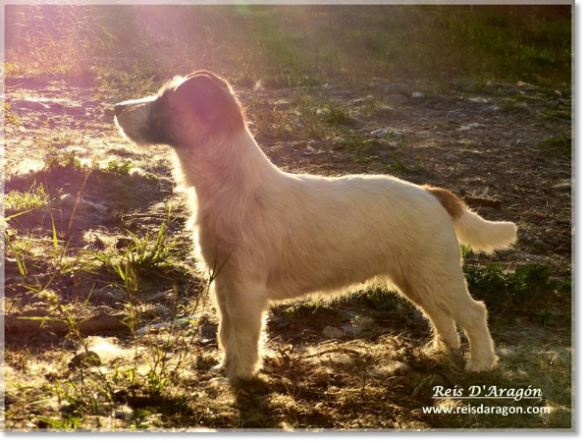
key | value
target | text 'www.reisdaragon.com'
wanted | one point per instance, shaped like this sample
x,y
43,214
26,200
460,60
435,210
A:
x,y
484,409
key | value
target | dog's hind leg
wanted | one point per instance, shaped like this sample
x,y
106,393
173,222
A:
x,y
471,316
440,290
241,322
446,336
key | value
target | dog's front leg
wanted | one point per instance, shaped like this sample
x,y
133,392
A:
x,y
241,322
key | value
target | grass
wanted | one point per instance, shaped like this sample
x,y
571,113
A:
x,y
334,115
559,145
36,198
145,256
91,390
117,46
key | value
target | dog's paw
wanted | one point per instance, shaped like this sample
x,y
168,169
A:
x,y
218,369
477,365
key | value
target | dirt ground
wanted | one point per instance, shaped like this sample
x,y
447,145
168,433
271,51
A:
x,y
358,363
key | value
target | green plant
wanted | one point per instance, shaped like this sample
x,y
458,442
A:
x,y
557,145
35,198
117,167
531,286
333,114
382,300
63,160
10,118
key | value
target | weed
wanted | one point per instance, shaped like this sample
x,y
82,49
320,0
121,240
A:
x,y
10,118
145,255
116,167
530,286
382,300
333,114
557,145
36,198
560,114
63,160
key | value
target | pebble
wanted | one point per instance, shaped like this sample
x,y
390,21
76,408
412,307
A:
x,y
507,351
110,293
386,133
471,126
562,186
397,88
398,99
478,100
557,356
124,412
364,322
333,333
351,330
392,369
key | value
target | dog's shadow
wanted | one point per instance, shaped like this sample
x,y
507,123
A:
x,y
251,399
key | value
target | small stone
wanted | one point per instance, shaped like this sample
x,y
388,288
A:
x,y
333,333
386,133
471,126
219,382
557,416
398,99
398,88
556,356
418,95
124,412
562,186
507,351
364,322
110,294
392,369
352,330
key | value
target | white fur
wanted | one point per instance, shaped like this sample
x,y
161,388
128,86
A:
x,y
274,236
482,235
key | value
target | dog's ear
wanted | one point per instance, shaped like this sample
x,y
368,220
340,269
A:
x,y
211,99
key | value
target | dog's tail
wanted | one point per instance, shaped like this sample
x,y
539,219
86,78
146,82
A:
x,y
471,229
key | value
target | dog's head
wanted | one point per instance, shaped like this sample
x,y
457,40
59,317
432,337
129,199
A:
x,y
187,111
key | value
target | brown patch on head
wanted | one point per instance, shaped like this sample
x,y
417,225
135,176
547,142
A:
x,y
210,100
448,200
192,109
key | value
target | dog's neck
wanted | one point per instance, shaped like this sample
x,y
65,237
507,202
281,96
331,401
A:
x,y
227,173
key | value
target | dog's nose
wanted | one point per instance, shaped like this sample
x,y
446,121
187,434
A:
x,y
118,109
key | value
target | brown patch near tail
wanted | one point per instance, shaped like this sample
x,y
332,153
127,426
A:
x,y
454,205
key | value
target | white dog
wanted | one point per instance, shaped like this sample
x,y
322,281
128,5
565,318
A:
x,y
274,235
